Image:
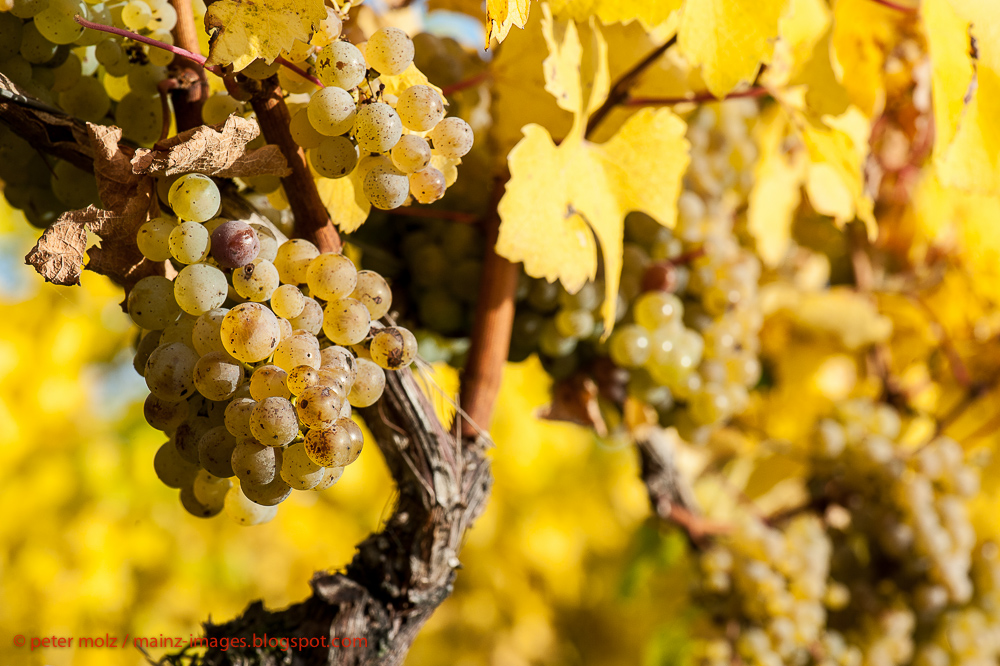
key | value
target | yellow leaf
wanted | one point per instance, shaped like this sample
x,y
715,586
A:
x,y
778,178
578,78
411,76
649,13
345,200
501,15
560,197
729,39
250,29
825,95
863,33
802,26
951,68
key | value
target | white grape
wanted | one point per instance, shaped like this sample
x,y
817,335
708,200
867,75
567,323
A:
x,y
386,187
194,197
341,64
199,288
332,111
189,242
389,51
335,157
420,108
377,128
452,137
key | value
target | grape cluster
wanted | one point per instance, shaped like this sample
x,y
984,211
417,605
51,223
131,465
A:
x,y
686,342
254,355
391,143
882,566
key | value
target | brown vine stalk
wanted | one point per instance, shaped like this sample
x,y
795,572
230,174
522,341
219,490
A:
x,y
191,91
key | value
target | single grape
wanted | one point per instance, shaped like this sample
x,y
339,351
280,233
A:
x,y
374,292
331,276
273,422
136,14
393,348
246,512
163,415
199,288
334,157
189,242
169,372
377,128
293,260
153,238
452,137
235,243
268,494
215,451
386,187
411,153
310,319
194,197
219,107
330,477
298,471
389,51
205,334
368,385
346,321
302,377
334,446
427,185
287,301
268,242
173,470
420,108
146,346
341,64
629,346
301,348
256,281
302,130
253,461
250,332
332,111
654,309
319,407
151,302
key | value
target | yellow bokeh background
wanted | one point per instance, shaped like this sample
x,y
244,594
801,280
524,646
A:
x,y
564,567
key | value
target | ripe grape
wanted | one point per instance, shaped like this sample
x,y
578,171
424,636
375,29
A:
x,y
293,260
250,332
287,301
377,128
246,512
194,197
164,415
330,477
374,292
189,242
268,494
389,51
420,108
256,281
298,471
393,348
151,302
319,406
311,317
302,130
215,452
169,372
219,107
302,377
341,64
334,157
346,321
173,470
331,111
386,187
298,349
411,153
216,376
368,385
199,288
153,238
333,447
273,421
452,137
427,185
331,276
253,461
235,243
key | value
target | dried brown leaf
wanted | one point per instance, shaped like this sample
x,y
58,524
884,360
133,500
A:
x,y
58,255
575,400
220,150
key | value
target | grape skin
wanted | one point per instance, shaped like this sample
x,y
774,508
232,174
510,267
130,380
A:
x,y
374,292
389,51
452,137
346,321
194,197
420,108
234,244
246,512
334,157
377,128
332,111
386,187
341,64
250,332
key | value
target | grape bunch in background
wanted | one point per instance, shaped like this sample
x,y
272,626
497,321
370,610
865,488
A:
x,y
254,355
881,565
686,339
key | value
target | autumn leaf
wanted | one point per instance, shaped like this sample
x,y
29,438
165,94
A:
x,y
245,30
502,15
863,33
344,198
729,39
649,13
562,201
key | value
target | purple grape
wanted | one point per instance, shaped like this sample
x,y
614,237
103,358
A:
x,y
235,244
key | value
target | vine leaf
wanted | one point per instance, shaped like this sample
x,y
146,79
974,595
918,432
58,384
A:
x,y
213,151
245,30
502,15
563,200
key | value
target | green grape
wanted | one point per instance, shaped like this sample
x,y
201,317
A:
x,y
298,471
179,330
173,470
268,494
420,108
303,133
215,451
163,415
411,153
341,64
194,197
655,309
332,111
368,385
205,335
259,69
210,491
302,377
246,512
216,376
710,405
153,238
87,99
250,332
237,416
389,51
136,15
268,243
319,406
219,107
273,421
256,281
293,260
56,23
169,372
346,321
301,348
372,290
452,137
427,185
330,477
34,47
147,344
189,242
393,348
629,346
334,157
574,323
26,9
335,446
386,187
287,301
331,276
199,288
253,461
337,357
310,319
10,35
151,303
143,81
377,128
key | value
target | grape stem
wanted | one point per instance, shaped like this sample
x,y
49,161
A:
x,y
192,89
165,86
301,72
176,50
698,98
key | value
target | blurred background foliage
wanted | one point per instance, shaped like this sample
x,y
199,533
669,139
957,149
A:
x,y
563,564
